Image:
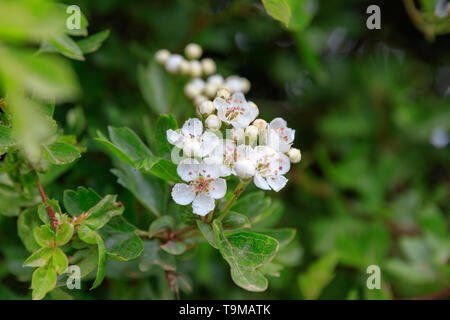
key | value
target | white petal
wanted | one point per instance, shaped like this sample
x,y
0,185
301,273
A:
x,y
278,123
174,137
188,169
192,128
284,164
209,142
209,170
221,105
182,194
290,134
218,188
238,99
283,146
277,182
260,182
203,204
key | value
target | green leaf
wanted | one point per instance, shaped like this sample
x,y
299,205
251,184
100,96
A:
x,y
128,141
150,191
87,235
61,153
245,252
185,215
44,236
66,46
174,247
234,220
63,234
93,42
164,123
39,258
318,275
284,236
43,280
101,265
124,246
82,31
253,205
272,269
207,232
162,223
79,201
301,17
162,168
43,213
153,83
103,211
59,261
279,10
27,221
6,139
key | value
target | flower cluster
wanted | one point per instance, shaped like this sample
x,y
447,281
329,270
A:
x,y
227,139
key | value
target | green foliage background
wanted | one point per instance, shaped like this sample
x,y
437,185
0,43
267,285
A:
x,y
365,104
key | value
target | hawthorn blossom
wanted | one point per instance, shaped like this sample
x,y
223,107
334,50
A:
x,y
223,156
192,140
245,162
203,188
270,168
236,111
279,136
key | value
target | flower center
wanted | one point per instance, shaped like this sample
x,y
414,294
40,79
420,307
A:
x,y
201,185
234,112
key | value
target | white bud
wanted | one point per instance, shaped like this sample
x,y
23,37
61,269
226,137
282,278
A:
x,y
261,124
234,83
213,122
252,132
191,90
294,155
206,108
185,67
216,79
199,100
238,135
224,93
162,55
191,148
254,106
193,51
210,90
173,63
245,85
208,66
195,68
244,169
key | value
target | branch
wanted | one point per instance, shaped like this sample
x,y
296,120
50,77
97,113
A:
x,y
49,208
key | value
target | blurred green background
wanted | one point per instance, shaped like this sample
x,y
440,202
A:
x,y
372,118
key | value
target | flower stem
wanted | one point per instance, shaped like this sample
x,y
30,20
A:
x,y
236,193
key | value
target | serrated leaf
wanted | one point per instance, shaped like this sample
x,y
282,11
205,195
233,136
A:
x,y
43,280
207,232
79,201
44,236
103,211
124,246
283,236
27,221
66,46
39,258
279,10
245,252
59,261
61,153
63,234
164,123
93,42
174,247
162,223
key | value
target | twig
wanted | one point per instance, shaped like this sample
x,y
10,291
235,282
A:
x,y
48,207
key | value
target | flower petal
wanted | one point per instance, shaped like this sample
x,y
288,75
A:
x,y
203,204
218,188
174,137
188,169
182,194
260,182
192,128
277,123
277,182
209,142
209,169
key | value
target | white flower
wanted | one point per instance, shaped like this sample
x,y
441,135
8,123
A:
x,y
223,156
245,162
206,108
204,186
213,122
192,140
270,168
235,110
279,136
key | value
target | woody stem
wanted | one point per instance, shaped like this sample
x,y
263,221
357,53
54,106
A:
x,y
236,193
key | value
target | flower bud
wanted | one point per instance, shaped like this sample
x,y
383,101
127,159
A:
x,y
210,90
195,68
191,148
208,66
244,169
252,132
224,93
294,155
213,122
193,51
199,100
245,85
191,90
254,106
173,63
234,83
216,79
185,67
161,56
206,108
238,135
261,124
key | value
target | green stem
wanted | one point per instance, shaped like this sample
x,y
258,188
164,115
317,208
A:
x,y
236,193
